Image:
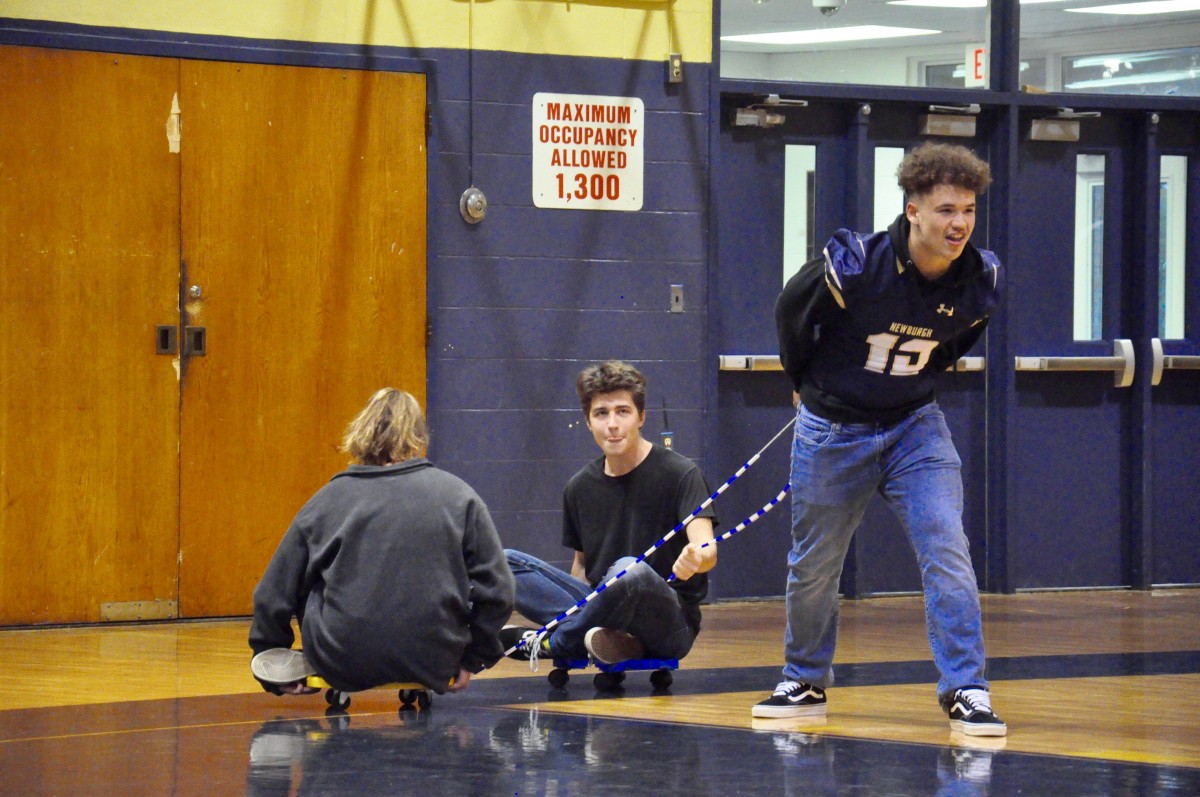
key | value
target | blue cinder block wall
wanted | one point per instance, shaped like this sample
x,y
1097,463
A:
x,y
522,301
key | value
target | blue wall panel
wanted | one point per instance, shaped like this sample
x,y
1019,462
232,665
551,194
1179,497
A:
x,y
529,435
501,77
557,283
669,185
517,485
648,236
539,383
522,301
625,332
1176,557
752,408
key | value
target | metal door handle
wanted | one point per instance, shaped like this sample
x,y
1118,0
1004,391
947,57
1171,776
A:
x,y
1121,363
195,341
1167,362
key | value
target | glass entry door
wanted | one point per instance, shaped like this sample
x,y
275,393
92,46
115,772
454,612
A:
x,y
1099,432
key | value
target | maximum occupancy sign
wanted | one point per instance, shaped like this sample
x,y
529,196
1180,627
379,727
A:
x,y
587,151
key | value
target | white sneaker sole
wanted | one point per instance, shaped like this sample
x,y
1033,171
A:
x,y
608,646
281,666
786,712
979,729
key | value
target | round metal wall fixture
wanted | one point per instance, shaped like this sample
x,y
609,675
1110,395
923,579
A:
x,y
473,205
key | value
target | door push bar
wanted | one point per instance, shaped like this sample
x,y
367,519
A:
x,y
1167,362
770,362
750,362
1121,363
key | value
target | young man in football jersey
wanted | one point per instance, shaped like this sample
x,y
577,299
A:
x,y
863,332
614,510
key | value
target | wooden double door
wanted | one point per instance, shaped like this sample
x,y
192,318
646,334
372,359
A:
x,y
205,270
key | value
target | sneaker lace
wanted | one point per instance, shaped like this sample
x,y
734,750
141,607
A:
x,y
787,687
533,643
977,699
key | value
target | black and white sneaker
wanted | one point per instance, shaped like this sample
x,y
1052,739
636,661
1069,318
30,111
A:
x,y
970,712
524,644
792,699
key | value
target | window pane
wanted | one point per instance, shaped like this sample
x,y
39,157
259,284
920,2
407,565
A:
x,y
889,199
1147,47
1089,247
874,42
799,183
1172,252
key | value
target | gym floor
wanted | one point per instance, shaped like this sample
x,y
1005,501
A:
x,y
1101,692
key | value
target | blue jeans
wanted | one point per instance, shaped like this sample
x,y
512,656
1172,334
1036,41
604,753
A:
x,y
640,603
913,464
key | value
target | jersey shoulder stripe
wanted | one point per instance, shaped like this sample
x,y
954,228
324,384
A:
x,y
852,261
833,280
991,265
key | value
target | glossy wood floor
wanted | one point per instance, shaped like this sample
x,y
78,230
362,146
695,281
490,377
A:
x,y
1101,691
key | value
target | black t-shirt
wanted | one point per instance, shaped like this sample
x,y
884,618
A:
x,y
608,517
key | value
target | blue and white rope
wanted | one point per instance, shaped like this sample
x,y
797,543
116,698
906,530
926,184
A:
x,y
534,640
767,507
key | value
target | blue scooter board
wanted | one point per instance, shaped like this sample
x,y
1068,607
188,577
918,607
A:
x,y
611,676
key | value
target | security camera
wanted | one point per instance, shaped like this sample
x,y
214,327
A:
x,y
828,7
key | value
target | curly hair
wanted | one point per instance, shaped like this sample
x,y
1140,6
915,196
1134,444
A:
x,y
931,165
609,377
389,429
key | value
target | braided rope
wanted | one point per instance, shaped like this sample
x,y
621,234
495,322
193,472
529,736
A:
x,y
767,507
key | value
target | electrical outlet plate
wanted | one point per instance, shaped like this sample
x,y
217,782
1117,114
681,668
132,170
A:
x,y
675,68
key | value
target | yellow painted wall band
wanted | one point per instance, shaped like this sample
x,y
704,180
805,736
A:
x,y
644,30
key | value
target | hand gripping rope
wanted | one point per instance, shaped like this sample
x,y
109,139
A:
x,y
533,642
767,507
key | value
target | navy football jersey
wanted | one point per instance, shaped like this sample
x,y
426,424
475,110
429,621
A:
x,y
863,334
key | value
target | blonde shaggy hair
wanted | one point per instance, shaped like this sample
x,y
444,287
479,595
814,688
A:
x,y
389,429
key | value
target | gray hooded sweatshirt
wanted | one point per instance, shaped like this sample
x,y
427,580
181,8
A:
x,y
395,573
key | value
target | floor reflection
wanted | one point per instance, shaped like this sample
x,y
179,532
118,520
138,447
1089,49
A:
x,y
414,752
482,751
